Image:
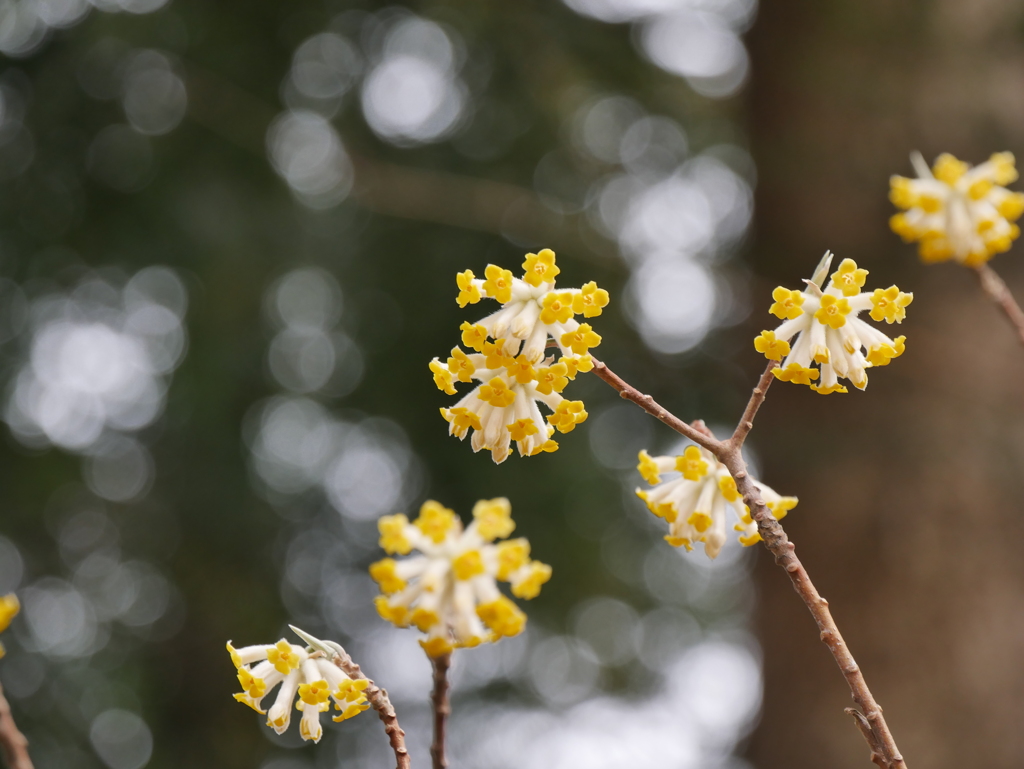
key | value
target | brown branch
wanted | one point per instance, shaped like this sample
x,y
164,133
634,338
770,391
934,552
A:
x,y
729,453
648,404
996,288
442,709
756,399
869,737
380,702
13,743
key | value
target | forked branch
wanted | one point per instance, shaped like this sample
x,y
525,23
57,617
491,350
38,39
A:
x,y
13,743
729,452
998,292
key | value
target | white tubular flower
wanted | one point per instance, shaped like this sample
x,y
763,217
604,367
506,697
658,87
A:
x,y
957,212
313,678
504,407
828,331
532,311
694,503
450,590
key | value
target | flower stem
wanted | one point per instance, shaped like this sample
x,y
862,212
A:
x,y
379,701
13,743
729,452
442,709
998,292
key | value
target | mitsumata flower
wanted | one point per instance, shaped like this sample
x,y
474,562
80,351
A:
x,y
9,607
508,358
694,502
450,590
316,681
957,212
828,331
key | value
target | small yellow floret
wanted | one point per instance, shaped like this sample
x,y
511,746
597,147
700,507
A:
x,y
460,366
521,429
889,304
254,687
849,278
782,507
788,304
679,542
437,646
770,347
833,311
498,284
795,373
1004,170
540,268
435,520
567,415
468,565
823,390
315,693
692,464
494,354
461,419
502,616
590,301
648,468
497,393
512,555
727,485
233,652
493,518
424,619
901,192
553,378
556,308
385,574
442,377
396,615
581,340
392,534
469,291
529,587
883,354
351,710
520,369
700,521
283,657
474,335
948,169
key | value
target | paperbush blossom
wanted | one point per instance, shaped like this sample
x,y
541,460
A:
x,y
957,212
313,678
828,331
508,358
449,591
9,607
694,502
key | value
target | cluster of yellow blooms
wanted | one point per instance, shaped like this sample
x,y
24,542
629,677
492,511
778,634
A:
x,y
828,331
694,502
9,607
958,212
313,678
508,358
449,590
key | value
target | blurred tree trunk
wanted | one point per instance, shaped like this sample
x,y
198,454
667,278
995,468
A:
x,y
911,516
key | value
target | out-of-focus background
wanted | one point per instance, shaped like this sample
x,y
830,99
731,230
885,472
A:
x,y
228,239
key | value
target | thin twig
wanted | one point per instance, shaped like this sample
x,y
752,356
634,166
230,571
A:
x,y
869,737
729,453
756,399
442,709
648,404
380,702
12,742
996,288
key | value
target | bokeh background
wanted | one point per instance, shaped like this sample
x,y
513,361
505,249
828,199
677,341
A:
x,y
228,239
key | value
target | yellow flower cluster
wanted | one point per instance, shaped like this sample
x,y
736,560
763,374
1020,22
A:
x,y
954,211
449,590
508,358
